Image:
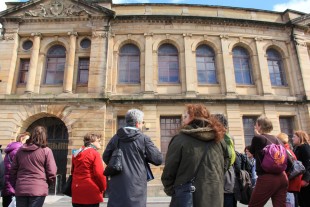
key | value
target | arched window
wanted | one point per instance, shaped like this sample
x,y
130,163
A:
x,y
242,66
55,65
129,64
205,61
168,64
275,66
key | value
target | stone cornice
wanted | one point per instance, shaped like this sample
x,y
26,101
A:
x,y
195,19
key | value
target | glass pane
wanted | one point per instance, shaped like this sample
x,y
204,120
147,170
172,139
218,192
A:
x,y
212,77
50,76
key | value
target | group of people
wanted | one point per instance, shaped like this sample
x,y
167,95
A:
x,y
201,152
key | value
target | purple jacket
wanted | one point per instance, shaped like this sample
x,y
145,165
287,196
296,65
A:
x,y
10,152
33,169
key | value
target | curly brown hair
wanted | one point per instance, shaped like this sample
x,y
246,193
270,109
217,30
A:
x,y
200,111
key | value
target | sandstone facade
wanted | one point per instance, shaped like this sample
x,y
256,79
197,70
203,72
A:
x,y
100,103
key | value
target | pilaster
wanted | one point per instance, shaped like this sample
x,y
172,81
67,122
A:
x,y
263,66
228,64
149,74
189,65
33,62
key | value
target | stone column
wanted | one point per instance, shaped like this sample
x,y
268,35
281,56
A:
x,y
189,66
68,83
228,64
149,74
33,62
263,66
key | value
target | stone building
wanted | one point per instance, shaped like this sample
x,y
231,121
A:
x,y
76,66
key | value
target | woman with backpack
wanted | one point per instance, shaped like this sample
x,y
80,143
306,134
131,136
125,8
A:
x,y
302,152
268,185
10,151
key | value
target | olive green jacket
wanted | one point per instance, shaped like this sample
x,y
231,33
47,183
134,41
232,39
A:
x,y
183,157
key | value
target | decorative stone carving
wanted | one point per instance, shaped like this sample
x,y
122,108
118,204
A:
x,y
73,33
187,35
224,36
100,34
74,10
148,34
38,12
258,38
57,8
36,34
7,36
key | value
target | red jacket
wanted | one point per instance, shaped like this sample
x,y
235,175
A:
x,y
295,183
88,183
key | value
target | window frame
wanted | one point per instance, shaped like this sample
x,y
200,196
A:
x,y
206,63
242,70
22,71
162,55
166,138
129,58
54,70
81,59
282,74
248,137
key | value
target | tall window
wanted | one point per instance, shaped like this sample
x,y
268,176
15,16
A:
x,y
205,57
168,128
129,64
287,125
168,64
242,66
55,65
248,128
83,70
275,66
23,71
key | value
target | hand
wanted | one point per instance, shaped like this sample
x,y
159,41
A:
x,y
304,183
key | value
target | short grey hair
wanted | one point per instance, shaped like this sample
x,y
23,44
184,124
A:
x,y
134,116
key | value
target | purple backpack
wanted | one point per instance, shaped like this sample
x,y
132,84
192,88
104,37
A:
x,y
275,159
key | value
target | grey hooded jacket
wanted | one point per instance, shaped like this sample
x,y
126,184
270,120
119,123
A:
x,y
128,189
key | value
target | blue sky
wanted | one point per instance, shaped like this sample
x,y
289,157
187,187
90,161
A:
x,y
272,5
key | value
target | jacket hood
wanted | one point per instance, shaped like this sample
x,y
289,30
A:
x,y
128,134
199,129
12,146
29,147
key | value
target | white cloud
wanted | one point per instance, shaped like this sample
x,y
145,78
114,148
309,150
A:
x,y
3,5
298,5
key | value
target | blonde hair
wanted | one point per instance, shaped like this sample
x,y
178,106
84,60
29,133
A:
x,y
283,137
264,123
23,136
303,136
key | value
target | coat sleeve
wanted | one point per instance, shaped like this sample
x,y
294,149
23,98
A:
x,y
173,159
153,155
13,171
108,151
98,169
1,172
305,159
50,167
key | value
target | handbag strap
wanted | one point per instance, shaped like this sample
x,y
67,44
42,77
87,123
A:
x,y
202,158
